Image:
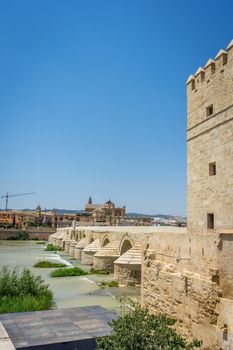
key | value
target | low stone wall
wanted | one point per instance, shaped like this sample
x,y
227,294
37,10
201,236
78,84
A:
x,y
41,235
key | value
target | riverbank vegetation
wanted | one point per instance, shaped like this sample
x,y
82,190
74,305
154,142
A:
x,y
52,248
48,264
105,284
18,236
68,272
23,291
140,330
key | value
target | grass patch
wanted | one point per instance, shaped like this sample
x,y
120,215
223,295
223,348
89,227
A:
x,y
40,242
105,284
68,272
99,272
48,264
22,292
24,303
52,248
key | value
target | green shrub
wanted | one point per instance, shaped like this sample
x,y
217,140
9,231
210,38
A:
x,y
140,330
48,264
40,242
21,292
68,272
52,248
105,284
18,236
34,239
99,272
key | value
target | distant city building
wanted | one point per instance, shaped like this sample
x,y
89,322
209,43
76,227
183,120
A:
x,y
105,213
24,218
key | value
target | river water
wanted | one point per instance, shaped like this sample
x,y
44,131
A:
x,y
68,291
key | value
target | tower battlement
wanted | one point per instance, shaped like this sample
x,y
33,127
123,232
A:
x,y
210,145
209,90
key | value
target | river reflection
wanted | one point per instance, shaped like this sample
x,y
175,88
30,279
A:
x,y
68,291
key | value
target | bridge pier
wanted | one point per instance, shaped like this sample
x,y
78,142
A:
x,y
127,274
127,268
79,248
67,246
72,248
104,262
89,251
105,257
60,242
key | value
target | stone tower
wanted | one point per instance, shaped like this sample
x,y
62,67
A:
x,y
210,145
38,210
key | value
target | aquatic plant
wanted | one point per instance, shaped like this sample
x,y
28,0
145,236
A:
x,y
105,284
48,264
23,291
52,248
68,272
40,242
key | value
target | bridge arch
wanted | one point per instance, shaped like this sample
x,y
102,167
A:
x,y
126,244
105,241
91,240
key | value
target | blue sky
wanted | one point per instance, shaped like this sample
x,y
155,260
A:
x,y
93,98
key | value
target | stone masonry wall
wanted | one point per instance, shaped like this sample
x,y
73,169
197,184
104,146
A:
x,y
210,140
187,276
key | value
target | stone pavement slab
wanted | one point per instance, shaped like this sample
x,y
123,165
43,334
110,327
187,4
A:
x,y
72,328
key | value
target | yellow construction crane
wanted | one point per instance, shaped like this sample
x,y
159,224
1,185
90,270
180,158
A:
x,y
7,195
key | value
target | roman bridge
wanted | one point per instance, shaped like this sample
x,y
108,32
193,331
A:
x,y
115,249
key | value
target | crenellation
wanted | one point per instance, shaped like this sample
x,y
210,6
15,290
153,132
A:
x,y
199,75
221,58
203,88
209,69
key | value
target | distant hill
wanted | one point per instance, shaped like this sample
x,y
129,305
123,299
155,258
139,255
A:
x,y
70,211
58,211
162,216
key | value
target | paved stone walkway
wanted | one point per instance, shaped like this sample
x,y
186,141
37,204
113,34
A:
x,y
73,328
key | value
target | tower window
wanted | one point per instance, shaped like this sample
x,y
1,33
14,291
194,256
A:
x,y
212,169
209,110
225,333
210,221
224,59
